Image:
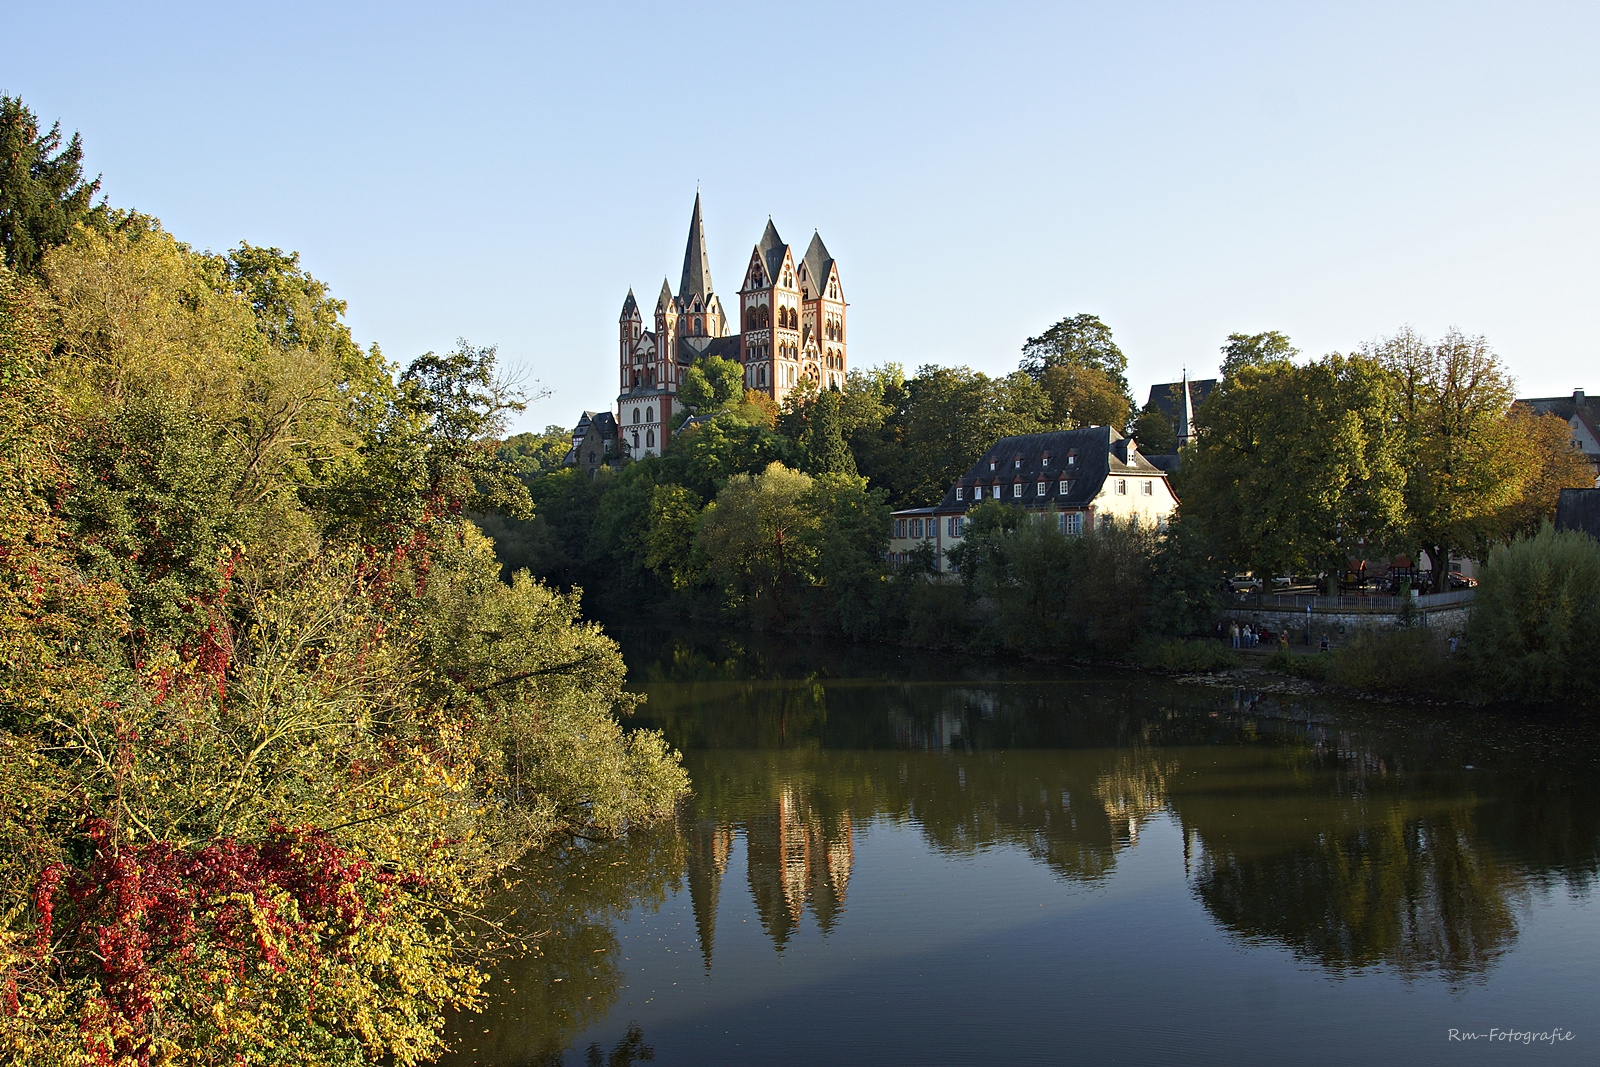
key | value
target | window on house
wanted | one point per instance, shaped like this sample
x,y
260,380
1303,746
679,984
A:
x,y
636,416
958,492
649,439
1017,463
1041,487
1044,461
1064,488
916,529
1072,523
1122,487
649,414
1147,487
1016,491
991,464
1072,459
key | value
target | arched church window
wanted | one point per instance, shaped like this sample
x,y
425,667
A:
x,y
636,418
650,439
649,414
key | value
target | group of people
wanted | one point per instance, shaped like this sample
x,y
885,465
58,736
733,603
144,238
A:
x,y
1244,636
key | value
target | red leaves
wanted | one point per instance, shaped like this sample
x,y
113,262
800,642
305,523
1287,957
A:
x,y
135,912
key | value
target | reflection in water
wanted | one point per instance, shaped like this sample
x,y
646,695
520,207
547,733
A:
x,y
567,905
1352,840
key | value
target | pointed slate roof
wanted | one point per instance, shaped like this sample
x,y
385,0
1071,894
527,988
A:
x,y
818,262
664,301
696,265
771,248
630,306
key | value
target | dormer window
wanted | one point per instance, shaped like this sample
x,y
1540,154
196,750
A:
x,y
1016,491
991,464
1017,463
958,492
1041,486
1044,461
1072,458
1065,487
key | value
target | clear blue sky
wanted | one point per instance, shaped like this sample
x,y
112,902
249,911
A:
x,y
507,172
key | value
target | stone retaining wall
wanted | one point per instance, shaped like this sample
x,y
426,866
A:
x,y
1339,625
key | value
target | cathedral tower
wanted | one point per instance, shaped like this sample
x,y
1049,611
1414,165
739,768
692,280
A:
x,y
791,330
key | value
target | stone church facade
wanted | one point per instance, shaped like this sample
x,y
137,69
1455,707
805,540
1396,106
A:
x,y
787,327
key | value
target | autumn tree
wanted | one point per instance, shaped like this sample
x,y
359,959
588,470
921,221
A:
x,y
1461,467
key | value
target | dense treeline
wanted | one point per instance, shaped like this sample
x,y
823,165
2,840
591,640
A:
x,y
779,517
270,719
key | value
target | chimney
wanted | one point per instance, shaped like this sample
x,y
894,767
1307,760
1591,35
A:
x,y
1577,396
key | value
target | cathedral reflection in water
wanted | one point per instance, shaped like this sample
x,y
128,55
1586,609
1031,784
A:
x,y
797,856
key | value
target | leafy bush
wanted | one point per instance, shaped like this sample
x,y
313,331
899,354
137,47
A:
x,y
1413,660
1535,628
1186,656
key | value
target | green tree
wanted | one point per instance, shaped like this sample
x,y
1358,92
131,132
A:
x,y
1154,431
826,452
1077,341
947,418
42,191
760,541
1298,468
710,383
1255,350
850,538
670,549
535,453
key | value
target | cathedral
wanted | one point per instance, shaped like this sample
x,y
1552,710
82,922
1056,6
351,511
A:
x,y
790,329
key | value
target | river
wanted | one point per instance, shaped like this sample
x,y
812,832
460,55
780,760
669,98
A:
x,y
899,858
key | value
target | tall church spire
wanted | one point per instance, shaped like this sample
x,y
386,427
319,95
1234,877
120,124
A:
x,y
696,265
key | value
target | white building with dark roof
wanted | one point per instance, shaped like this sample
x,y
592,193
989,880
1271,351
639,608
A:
x,y
1072,478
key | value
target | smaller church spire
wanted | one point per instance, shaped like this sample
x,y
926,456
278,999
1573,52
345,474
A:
x,y
1185,411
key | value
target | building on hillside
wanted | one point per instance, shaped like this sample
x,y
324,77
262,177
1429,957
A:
x,y
1579,509
788,326
1072,478
1583,417
594,441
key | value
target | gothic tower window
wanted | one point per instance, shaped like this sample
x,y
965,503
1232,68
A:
x,y
650,439
649,414
636,418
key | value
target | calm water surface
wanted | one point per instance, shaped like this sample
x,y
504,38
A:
x,y
904,859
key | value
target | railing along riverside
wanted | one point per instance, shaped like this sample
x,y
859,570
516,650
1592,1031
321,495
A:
x,y
1424,602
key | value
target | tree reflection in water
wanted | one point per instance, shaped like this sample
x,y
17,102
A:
x,y
566,906
1355,838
